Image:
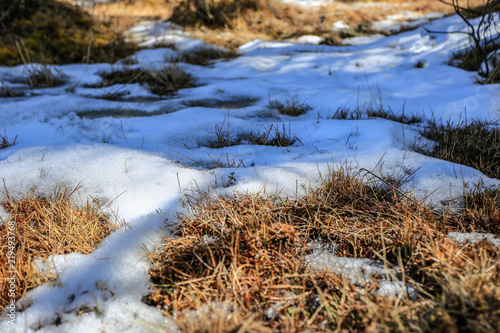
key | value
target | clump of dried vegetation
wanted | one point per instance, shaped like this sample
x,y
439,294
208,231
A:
x,y
345,113
203,56
294,106
58,33
5,142
162,81
39,227
273,136
239,262
473,143
45,76
230,23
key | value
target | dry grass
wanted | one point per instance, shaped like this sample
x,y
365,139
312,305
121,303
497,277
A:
x,y
293,106
42,226
162,81
345,113
124,14
5,142
57,33
232,23
45,76
6,92
240,262
471,60
273,136
473,143
203,56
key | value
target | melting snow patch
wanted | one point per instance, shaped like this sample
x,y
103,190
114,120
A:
x,y
358,270
473,237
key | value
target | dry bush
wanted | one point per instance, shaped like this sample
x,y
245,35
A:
x,y
240,263
6,92
274,136
42,226
45,76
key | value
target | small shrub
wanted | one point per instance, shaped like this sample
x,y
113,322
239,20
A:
x,y
293,106
223,137
163,81
38,227
475,143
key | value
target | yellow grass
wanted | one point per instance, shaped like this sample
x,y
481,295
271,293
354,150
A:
x,y
240,262
38,227
244,21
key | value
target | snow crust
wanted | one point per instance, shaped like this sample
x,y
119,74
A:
x,y
142,166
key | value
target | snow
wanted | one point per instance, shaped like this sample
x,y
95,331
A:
x,y
473,237
142,166
358,270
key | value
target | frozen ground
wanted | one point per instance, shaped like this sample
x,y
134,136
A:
x,y
143,165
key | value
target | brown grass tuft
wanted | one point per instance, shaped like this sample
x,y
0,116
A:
x,y
5,142
293,106
273,136
42,226
240,262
